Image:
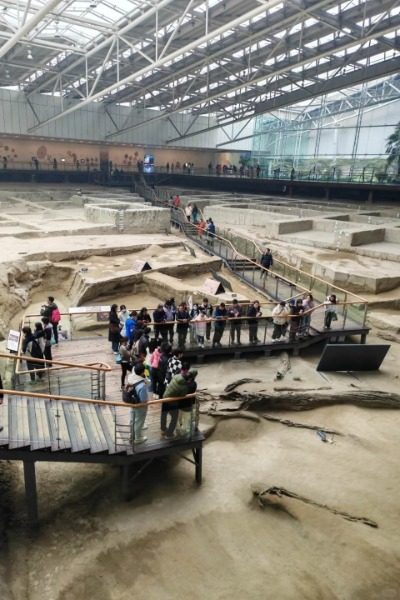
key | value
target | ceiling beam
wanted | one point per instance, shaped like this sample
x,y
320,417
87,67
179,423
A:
x,y
167,58
29,25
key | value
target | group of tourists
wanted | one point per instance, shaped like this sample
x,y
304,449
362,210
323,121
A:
x,y
162,372
37,343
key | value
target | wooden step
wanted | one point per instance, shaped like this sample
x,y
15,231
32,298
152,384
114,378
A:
x,y
93,428
76,428
106,418
4,421
59,434
38,424
18,423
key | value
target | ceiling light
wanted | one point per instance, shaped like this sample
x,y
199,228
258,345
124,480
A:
x,y
29,55
7,74
93,4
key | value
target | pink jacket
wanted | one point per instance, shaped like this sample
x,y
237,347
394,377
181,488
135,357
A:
x,y
155,358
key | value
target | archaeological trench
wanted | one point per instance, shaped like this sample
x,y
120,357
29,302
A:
x,y
301,473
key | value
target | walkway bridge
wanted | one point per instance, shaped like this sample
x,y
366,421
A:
x,y
282,282
39,426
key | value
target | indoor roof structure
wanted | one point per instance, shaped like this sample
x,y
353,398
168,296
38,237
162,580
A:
x,y
231,59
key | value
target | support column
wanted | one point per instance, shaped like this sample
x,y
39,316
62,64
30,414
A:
x,y
363,338
198,459
125,474
31,491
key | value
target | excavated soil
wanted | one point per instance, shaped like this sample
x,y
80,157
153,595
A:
x,y
175,540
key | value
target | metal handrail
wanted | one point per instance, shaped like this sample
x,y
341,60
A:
x,y
300,271
19,357
77,399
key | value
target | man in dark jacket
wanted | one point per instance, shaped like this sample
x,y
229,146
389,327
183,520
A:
x,y
166,354
253,312
207,308
235,313
266,261
220,314
159,318
182,318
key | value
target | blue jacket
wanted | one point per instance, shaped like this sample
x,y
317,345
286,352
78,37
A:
x,y
220,313
130,326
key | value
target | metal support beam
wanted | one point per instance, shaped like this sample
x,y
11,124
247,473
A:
x,y
29,25
31,492
166,59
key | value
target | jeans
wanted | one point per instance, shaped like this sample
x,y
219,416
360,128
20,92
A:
x,y
139,417
114,346
328,319
200,340
124,369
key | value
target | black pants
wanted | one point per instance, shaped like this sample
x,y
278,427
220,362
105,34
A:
x,y
235,328
279,330
253,330
218,333
55,331
48,356
170,331
208,330
160,331
293,329
182,334
328,319
124,370
172,410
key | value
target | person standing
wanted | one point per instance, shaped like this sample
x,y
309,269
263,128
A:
x,y
126,360
308,305
182,319
139,395
170,312
114,328
200,325
253,314
296,312
235,315
154,369
177,388
159,318
195,214
266,261
330,311
207,308
220,316
280,317
186,416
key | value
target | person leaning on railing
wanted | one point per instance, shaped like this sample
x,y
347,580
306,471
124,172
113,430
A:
x,y
253,313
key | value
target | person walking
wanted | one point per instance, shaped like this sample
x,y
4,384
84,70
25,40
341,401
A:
x,y
210,229
31,348
126,359
154,369
266,262
188,212
48,336
51,311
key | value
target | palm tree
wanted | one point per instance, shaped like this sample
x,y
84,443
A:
x,y
393,148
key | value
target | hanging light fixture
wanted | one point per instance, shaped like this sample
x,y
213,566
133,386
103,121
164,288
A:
x,y
29,55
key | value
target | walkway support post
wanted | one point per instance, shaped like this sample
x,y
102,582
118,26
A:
x,y
31,492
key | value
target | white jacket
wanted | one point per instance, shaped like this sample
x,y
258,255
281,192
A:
x,y
280,315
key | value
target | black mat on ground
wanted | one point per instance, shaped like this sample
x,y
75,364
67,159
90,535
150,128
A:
x,y
352,357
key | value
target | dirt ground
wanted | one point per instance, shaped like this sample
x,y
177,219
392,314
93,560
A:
x,y
175,540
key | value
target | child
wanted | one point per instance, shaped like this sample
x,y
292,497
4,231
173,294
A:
x,y
200,326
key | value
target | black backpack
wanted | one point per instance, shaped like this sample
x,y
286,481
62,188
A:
x,y
131,396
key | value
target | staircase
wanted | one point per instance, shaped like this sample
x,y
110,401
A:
x,y
31,423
